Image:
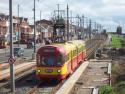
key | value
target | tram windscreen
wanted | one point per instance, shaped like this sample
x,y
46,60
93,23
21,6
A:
x,y
48,61
49,58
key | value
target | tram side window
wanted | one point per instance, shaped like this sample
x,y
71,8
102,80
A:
x,y
67,57
60,59
83,47
70,54
80,49
74,52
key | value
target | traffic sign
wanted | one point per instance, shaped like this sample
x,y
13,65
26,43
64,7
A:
x,y
11,60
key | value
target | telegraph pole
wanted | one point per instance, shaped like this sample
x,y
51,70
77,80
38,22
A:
x,y
71,25
90,22
78,27
58,11
18,28
11,48
67,22
80,20
95,25
41,39
83,26
40,15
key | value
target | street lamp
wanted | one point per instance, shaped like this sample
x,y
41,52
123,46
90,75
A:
x,y
11,48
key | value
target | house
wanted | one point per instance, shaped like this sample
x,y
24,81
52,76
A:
x,y
21,28
31,34
45,28
24,29
3,30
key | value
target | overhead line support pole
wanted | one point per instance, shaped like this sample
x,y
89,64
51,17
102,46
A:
x,y
18,28
67,22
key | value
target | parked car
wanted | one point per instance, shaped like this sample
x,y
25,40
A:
x,y
30,45
18,51
98,53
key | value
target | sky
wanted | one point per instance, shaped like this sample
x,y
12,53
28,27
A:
x,y
109,13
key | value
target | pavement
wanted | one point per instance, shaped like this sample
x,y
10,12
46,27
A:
x,y
87,78
94,76
68,85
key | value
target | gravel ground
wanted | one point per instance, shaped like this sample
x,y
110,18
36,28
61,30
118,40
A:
x,y
48,87
29,82
22,85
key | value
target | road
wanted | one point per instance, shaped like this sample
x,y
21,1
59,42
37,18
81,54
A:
x,y
4,53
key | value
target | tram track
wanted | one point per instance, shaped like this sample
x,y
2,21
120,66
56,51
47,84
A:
x,y
44,88
52,90
5,83
29,85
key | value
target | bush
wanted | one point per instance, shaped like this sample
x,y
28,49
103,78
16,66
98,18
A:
x,y
116,68
106,90
120,88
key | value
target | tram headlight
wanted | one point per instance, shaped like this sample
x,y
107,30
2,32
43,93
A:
x,y
58,71
38,70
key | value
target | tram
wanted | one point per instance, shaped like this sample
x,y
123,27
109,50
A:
x,y
58,60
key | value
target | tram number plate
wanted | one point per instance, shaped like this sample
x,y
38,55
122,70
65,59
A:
x,y
48,70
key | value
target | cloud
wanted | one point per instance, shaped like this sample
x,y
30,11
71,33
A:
x,y
102,11
114,2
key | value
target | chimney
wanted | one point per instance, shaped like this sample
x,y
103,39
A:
x,y
25,19
21,19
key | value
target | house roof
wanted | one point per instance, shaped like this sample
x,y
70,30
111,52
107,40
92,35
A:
x,y
44,21
3,24
24,25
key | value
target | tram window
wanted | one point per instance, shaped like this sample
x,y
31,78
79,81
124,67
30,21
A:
x,y
60,59
81,49
67,57
48,61
70,55
74,52
78,50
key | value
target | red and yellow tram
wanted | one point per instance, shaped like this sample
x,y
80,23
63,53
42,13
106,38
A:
x,y
59,60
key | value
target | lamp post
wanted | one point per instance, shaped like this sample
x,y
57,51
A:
x,y
34,27
34,54
11,48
